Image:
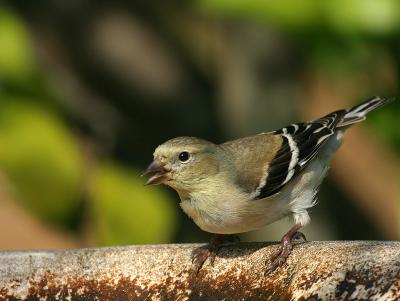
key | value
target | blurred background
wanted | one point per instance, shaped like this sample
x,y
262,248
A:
x,y
89,88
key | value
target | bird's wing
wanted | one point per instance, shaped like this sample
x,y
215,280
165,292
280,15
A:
x,y
301,143
267,162
249,157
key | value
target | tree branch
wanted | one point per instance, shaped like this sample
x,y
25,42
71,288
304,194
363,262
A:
x,y
314,271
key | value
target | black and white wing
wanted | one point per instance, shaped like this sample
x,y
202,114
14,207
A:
x,y
301,143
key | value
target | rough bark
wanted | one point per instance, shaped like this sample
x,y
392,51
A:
x,y
314,271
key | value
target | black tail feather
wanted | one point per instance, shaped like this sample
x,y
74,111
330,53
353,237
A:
x,y
358,113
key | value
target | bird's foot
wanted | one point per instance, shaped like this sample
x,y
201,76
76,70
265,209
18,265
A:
x,y
210,251
279,257
201,255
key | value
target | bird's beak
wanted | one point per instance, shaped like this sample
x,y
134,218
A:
x,y
158,171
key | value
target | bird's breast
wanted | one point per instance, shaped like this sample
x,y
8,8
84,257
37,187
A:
x,y
207,217
229,214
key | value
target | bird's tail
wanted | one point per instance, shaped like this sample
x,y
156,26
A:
x,y
359,112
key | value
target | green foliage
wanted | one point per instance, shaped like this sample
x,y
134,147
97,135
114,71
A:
x,y
124,211
16,53
41,158
386,124
344,57
287,13
363,16
342,16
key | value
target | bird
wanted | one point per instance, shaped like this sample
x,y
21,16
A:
x,y
245,184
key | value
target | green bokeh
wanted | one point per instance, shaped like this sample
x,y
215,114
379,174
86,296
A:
x,y
287,13
41,159
386,125
341,16
124,211
363,16
16,52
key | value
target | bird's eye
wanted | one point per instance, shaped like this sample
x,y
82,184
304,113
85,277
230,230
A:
x,y
184,156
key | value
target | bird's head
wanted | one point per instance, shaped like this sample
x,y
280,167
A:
x,y
183,163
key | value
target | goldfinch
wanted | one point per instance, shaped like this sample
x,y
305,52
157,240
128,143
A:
x,y
245,184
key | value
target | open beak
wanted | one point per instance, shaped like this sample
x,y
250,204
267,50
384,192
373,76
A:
x,y
158,172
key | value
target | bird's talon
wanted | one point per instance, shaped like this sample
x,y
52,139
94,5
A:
x,y
276,253
212,258
199,257
299,236
209,251
278,258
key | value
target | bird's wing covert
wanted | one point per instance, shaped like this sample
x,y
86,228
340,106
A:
x,y
301,143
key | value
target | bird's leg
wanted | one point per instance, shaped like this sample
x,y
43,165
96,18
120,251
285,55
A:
x,y
280,255
210,251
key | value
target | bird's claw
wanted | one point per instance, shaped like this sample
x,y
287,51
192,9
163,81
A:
x,y
210,251
299,236
279,256
201,255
